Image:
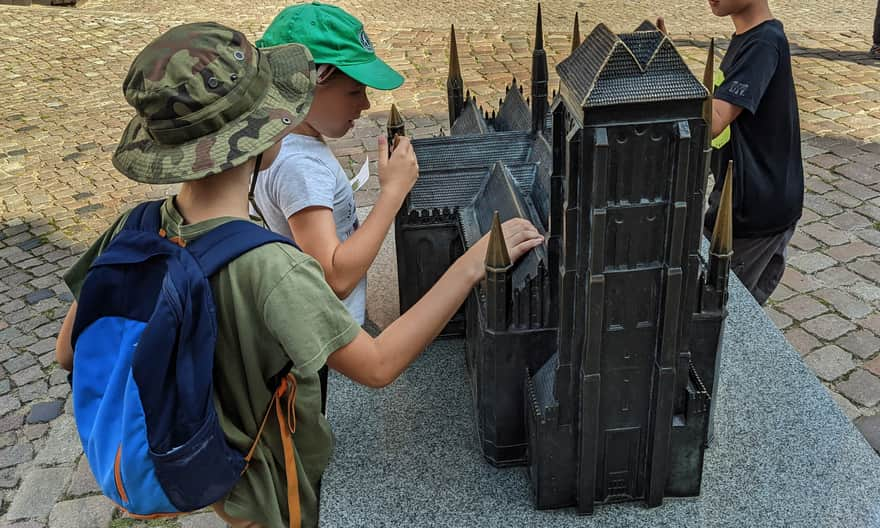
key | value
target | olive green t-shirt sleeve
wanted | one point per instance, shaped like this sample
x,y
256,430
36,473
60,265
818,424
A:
x,y
76,275
307,318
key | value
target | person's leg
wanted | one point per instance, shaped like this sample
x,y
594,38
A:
x,y
760,262
750,257
773,271
232,521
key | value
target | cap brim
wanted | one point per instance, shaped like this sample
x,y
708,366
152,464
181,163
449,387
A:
x,y
375,74
285,104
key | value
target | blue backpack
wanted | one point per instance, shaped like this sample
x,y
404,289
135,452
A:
x,y
144,339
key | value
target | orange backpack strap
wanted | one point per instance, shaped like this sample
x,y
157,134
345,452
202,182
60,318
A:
x,y
250,453
287,424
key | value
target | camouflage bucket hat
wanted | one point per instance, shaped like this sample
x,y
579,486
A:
x,y
207,100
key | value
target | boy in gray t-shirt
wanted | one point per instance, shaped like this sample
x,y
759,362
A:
x,y
306,174
305,194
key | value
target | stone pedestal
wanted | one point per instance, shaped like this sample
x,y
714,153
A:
x,y
783,454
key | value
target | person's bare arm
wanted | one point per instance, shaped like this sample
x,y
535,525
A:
x,y
723,114
63,345
346,263
377,362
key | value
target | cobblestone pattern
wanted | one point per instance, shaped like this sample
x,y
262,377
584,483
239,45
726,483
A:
x,y
62,112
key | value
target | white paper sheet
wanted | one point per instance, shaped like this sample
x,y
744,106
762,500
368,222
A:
x,y
361,177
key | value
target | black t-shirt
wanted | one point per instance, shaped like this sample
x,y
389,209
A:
x,y
765,144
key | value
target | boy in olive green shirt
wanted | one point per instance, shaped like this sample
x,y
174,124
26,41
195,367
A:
x,y
211,112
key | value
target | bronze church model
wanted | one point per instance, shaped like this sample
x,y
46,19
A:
x,y
591,360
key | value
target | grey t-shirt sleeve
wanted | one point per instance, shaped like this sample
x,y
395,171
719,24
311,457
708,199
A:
x,y
300,182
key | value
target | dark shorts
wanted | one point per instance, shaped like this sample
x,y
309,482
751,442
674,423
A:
x,y
760,262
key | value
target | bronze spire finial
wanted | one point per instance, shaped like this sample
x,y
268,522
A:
x,y
709,83
497,256
576,33
394,119
394,127
722,233
709,72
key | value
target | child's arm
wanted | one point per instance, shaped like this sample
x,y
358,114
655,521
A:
x,y
346,263
377,362
723,114
63,346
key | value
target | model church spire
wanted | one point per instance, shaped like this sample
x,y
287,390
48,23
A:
x,y
576,34
539,78
709,83
709,71
539,30
454,83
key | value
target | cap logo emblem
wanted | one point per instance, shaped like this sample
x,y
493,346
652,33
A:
x,y
365,41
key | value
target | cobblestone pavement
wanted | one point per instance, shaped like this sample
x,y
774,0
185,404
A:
x,y
62,111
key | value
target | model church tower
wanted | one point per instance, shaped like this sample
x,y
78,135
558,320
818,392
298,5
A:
x,y
592,359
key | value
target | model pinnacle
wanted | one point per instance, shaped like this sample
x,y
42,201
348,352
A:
x,y
497,257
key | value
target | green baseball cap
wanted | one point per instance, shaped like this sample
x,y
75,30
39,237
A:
x,y
207,100
334,37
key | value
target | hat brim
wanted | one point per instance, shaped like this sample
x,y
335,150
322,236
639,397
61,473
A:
x,y
284,105
375,74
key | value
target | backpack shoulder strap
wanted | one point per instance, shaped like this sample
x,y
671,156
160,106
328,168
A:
x,y
145,217
225,243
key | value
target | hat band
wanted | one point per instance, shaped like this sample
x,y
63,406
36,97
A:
x,y
240,101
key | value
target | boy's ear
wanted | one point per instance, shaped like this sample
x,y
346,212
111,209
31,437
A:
x,y
341,76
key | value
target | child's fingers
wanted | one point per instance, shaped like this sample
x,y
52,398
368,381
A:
x,y
517,224
524,247
527,244
522,236
402,146
404,151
